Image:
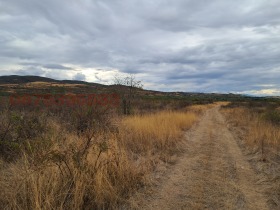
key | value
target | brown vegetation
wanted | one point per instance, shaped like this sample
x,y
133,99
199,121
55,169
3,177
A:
x,y
83,158
262,129
257,128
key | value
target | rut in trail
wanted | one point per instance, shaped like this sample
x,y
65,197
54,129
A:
x,y
212,173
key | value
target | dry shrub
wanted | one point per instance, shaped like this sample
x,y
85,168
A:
x,y
21,130
273,116
66,177
95,169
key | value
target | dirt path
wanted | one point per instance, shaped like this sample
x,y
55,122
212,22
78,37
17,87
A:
x,y
212,174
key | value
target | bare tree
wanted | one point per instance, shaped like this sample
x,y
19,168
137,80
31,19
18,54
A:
x,y
127,87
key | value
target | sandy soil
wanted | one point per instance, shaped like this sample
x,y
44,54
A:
x,y
211,174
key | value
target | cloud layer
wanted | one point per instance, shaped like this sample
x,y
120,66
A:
x,y
180,45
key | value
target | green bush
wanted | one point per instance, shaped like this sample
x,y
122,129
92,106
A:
x,y
273,116
21,131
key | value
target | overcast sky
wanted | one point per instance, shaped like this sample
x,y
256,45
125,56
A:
x,y
178,45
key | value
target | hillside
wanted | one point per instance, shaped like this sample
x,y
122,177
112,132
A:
x,y
17,79
35,84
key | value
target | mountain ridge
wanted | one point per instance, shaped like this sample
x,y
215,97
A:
x,y
19,79
10,84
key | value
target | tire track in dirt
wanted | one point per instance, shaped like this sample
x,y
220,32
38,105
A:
x,y
212,173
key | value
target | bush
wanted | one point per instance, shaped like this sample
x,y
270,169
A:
x,y
21,131
273,116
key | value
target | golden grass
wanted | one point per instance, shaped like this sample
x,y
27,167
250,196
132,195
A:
x,y
222,103
56,179
91,173
158,131
259,132
262,138
199,109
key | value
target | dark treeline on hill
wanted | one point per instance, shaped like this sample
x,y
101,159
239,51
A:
x,y
17,79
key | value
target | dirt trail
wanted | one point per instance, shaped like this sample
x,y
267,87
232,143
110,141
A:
x,y
212,173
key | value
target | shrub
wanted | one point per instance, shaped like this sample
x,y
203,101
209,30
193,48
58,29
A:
x,y
21,131
273,116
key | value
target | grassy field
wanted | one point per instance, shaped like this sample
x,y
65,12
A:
x,y
82,158
261,121
257,126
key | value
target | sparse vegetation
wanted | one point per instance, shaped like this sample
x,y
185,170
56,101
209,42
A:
x,y
257,126
261,121
82,157
96,157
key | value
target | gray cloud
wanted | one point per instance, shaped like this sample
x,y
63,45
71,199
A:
x,y
181,45
79,76
56,66
47,66
30,71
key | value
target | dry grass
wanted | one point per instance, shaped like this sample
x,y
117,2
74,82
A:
x,y
199,109
59,181
155,132
96,170
261,138
264,133
260,133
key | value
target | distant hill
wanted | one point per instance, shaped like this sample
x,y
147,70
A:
x,y
16,79
36,84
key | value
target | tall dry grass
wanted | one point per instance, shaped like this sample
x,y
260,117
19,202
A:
x,y
198,108
262,133
257,126
60,181
259,132
99,169
155,132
